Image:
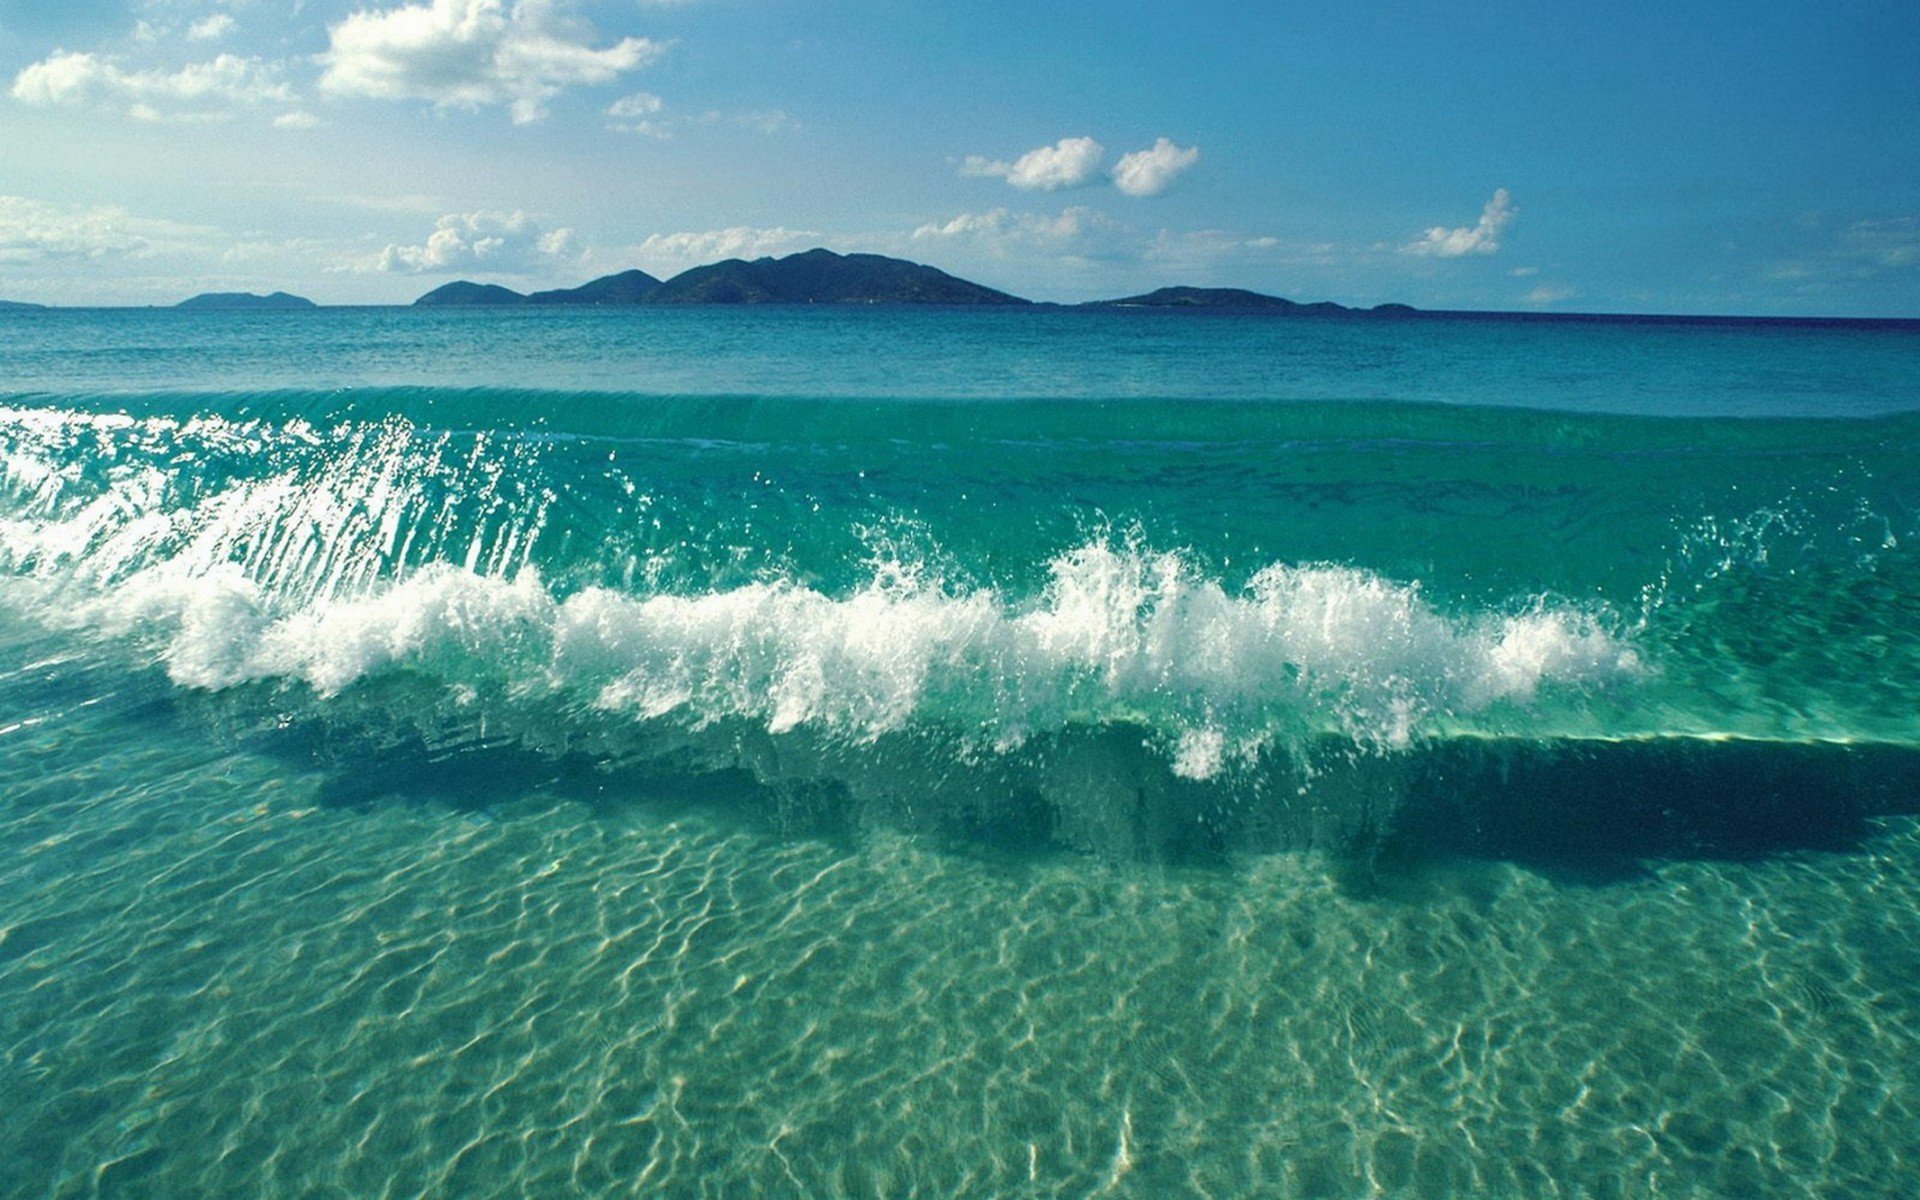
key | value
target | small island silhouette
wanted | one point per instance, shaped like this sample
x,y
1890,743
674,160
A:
x,y
246,300
820,276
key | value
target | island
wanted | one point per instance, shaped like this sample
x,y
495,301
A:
x,y
823,277
820,276
1241,300
463,294
628,287
19,306
246,300
812,277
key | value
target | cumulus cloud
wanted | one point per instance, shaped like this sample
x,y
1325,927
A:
x,y
1069,162
473,53
34,231
197,91
1482,238
1152,171
1549,293
491,243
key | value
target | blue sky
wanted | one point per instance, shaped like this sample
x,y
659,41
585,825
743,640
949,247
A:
x,y
1657,157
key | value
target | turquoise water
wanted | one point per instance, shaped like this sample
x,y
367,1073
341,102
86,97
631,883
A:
x,y
881,753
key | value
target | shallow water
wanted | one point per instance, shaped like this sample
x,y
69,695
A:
x,y
439,789
223,973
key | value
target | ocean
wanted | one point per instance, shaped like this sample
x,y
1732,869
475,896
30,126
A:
x,y
887,752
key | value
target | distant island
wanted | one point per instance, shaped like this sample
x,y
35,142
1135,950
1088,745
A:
x,y
817,276
628,287
811,277
246,300
463,294
822,277
1241,300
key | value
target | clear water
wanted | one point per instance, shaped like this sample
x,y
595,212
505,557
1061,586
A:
x,y
886,753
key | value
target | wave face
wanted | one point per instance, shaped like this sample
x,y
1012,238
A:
x,y
1222,604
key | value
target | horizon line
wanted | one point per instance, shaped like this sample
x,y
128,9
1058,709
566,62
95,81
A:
x,y
1402,308
1406,311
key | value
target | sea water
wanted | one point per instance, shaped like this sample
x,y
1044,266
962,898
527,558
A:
x,y
843,752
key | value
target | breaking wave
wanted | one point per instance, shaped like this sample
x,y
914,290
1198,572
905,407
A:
x,y
238,552
938,614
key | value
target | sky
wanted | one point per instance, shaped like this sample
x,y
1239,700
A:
x,y
1696,157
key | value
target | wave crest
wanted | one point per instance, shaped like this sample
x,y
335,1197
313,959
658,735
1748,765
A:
x,y
246,551
1119,635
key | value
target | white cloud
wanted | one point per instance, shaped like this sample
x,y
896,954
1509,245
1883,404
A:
x,y
1081,251
666,252
197,91
210,28
637,114
33,231
490,243
1152,171
1549,293
1069,162
296,120
1483,238
644,113
473,53
1078,231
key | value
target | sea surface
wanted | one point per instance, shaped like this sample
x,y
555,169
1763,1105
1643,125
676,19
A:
x,y
921,753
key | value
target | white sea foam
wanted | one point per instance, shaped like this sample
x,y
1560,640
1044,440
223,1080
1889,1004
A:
x,y
1118,635
328,574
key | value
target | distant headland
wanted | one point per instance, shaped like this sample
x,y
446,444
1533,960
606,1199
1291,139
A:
x,y
246,300
17,306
